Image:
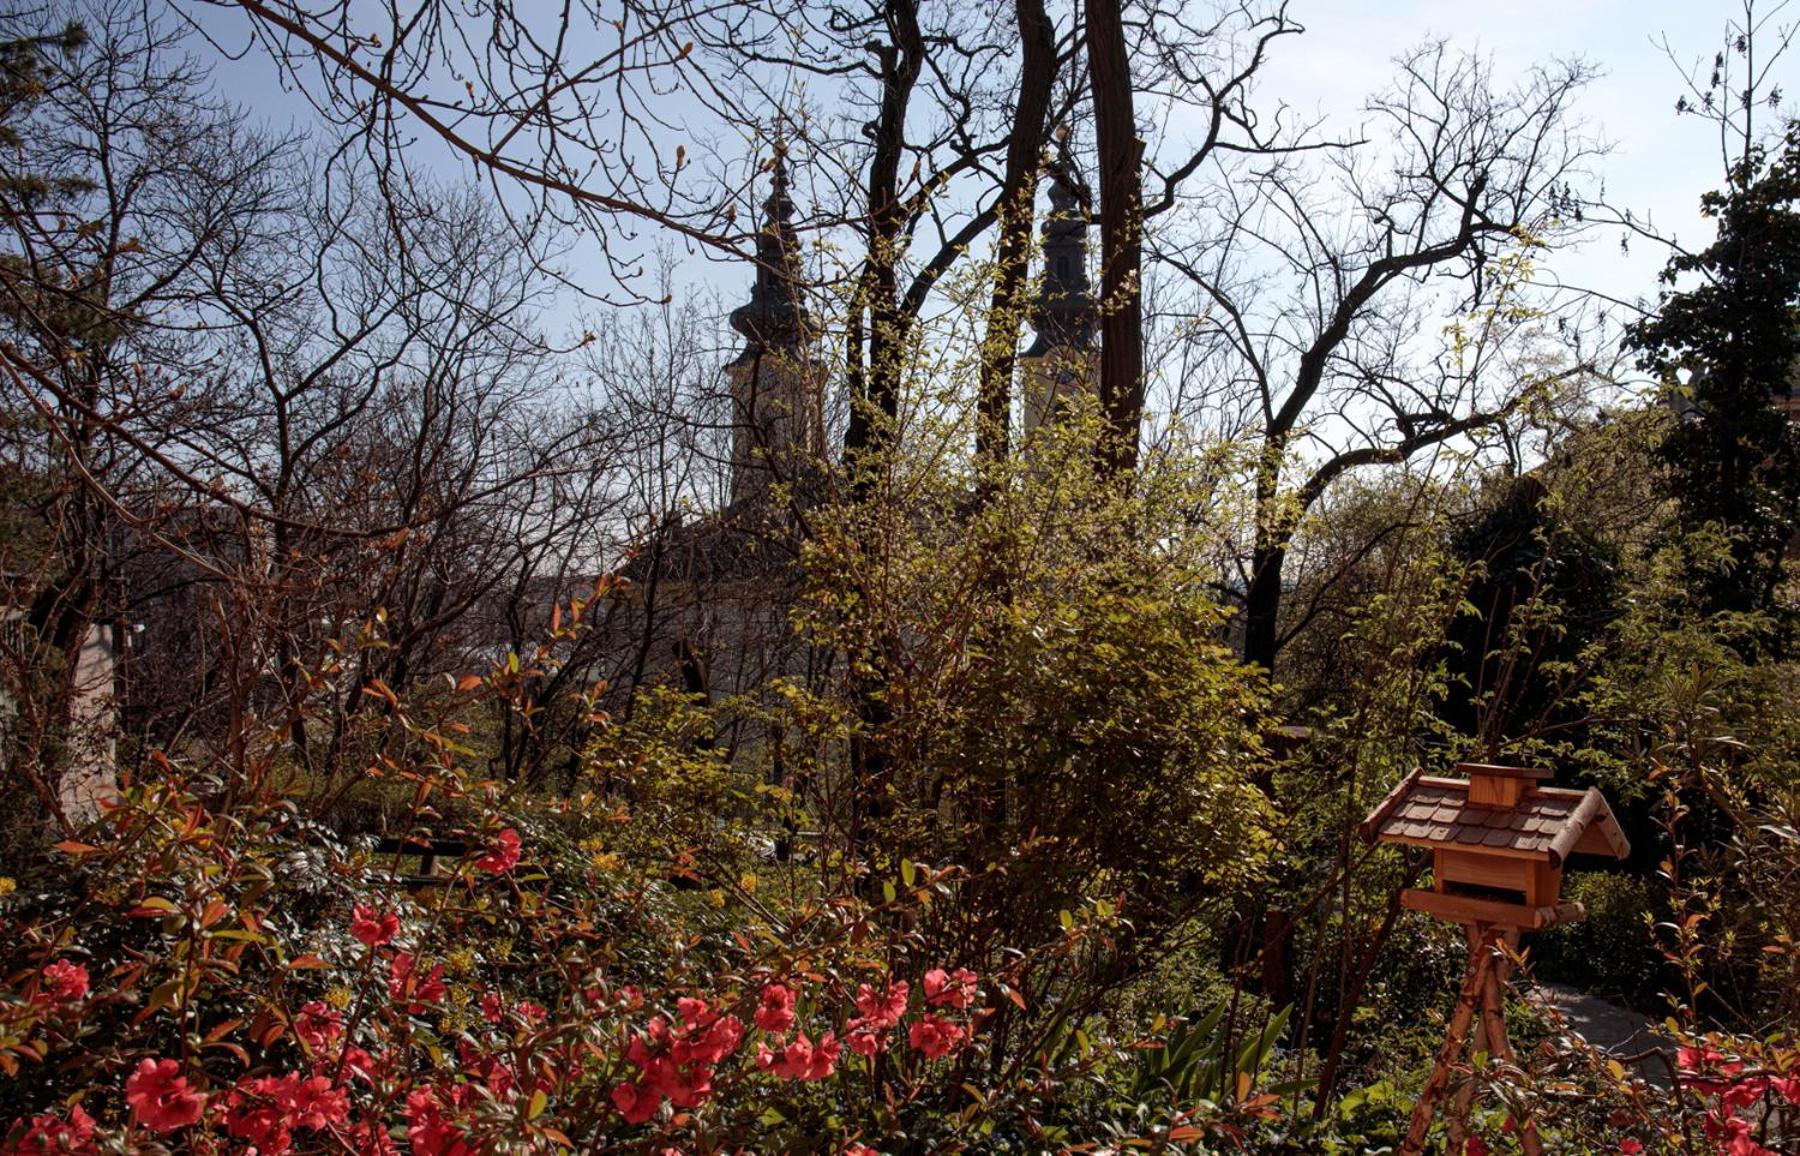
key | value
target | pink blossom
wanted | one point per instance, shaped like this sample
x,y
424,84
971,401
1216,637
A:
x,y
636,1102
160,1098
372,929
950,989
864,1040
934,1036
502,854
318,1025
49,1133
775,1011
65,982
406,985
705,1036
885,1009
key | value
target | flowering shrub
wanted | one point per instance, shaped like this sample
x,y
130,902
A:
x,y
189,990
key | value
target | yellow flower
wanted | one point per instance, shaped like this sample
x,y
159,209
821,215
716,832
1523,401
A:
x,y
717,896
606,861
7,886
339,997
461,960
748,883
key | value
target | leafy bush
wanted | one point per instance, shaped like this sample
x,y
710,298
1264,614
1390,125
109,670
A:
x,y
1611,953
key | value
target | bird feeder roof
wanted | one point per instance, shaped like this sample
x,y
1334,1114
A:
x,y
1546,824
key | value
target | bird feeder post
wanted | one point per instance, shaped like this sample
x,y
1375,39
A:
x,y
1499,840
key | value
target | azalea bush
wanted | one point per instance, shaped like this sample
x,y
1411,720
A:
x,y
217,965
220,977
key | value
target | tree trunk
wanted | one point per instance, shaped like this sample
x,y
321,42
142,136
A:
x,y
877,365
1121,234
1262,603
1024,149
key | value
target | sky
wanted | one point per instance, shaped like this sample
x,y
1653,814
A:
x,y
1659,165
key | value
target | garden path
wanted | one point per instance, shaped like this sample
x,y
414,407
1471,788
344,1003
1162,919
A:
x,y
1616,1031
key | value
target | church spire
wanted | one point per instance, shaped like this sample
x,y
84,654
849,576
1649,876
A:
x,y
774,318
1063,313
777,388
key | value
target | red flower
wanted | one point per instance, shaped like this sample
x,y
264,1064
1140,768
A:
x,y
1743,1093
406,986
264,1110
371,1139
1630,1146
801,1059
1475,1146
935,1037
502,854
318,1025
883,1010
686,1087
359,1063
775,1013
160,1098
824,1058
1733,1135
65,982
491,1009
635,1102
427,1130
48,1133
946,989
860,1150
705,1036
864,1040
319,1104
257,1115
373,929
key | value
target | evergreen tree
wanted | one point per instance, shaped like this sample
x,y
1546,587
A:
x,y
1734,460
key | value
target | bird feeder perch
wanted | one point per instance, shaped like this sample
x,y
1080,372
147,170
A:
x,y
1499,840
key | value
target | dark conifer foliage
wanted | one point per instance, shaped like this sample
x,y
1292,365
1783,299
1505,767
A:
x,y
1735,461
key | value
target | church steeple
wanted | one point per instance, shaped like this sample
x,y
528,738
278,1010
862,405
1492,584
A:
x,y
1059,361
774,318
776,388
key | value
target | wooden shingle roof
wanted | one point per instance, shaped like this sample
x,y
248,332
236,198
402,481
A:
x,y
1546,823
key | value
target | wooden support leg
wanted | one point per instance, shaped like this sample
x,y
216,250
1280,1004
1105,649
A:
x,y
1479,965
1456,1132
1493,1019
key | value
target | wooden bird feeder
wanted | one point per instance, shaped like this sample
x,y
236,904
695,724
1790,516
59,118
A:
x,y
1499,840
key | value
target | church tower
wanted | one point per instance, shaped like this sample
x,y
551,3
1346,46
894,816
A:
x,y
1061,363
777,389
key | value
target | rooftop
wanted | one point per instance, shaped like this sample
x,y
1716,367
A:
x,y
1542,823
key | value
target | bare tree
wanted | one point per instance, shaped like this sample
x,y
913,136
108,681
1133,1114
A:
x,y
1321,277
